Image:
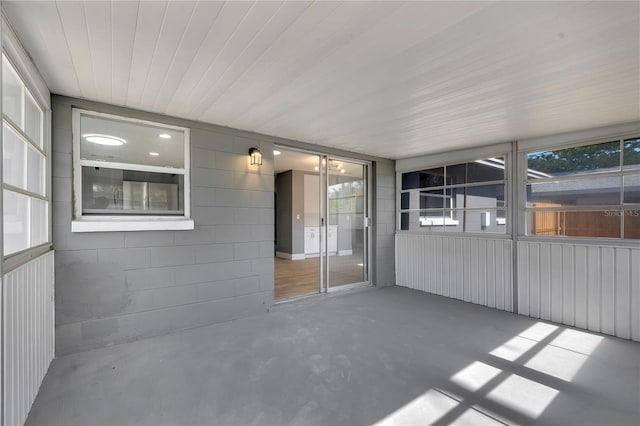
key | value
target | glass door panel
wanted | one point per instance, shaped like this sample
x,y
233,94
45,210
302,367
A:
x,y
298,226
346,230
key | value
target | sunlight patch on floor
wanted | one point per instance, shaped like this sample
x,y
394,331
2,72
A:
x,y
514,348
475,376
523,395
424,410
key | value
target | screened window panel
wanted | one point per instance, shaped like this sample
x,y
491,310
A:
x,y
16,222
36,173
11,93
575,192
477,221
475,172
423,179
579,160
598,224
632,224
14,151
484,196
632,153
39,221
33,121
632,189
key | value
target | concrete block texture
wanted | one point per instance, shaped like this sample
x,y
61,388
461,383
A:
x,y
113,287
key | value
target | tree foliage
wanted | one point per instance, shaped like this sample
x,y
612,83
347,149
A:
x,y
585,158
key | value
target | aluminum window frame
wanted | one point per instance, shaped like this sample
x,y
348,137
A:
x,y
122,221
621,207
451,159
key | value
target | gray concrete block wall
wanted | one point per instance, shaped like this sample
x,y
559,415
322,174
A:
x,y
385,223
113,287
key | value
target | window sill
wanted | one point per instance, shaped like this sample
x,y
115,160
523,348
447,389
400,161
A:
x,y
141,223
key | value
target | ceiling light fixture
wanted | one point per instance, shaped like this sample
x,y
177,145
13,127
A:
x,y
104,139
276,152
154,154
165,136
256,156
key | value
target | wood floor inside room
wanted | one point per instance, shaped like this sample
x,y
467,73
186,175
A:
x,y
295,278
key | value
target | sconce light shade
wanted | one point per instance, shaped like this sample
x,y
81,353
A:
x,y
256,156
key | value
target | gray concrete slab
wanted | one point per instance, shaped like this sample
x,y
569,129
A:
x,y
390,356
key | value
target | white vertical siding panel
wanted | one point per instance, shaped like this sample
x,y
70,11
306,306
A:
x,y
508,275
594,279
523,279
482,272
28,338
622,297
580,271
534,280
545,281
470,269
635,295
608,291
491,273
556,270
500,284
591,287
568,285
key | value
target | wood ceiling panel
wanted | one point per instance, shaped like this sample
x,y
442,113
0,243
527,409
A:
x,y
124,16
46,39
151,17
393,79
222,28
74,24
177,21
204,17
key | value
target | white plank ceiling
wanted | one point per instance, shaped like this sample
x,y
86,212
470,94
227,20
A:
x,y
391,79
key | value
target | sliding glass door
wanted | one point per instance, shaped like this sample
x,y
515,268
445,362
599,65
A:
x,y
347,237
321,226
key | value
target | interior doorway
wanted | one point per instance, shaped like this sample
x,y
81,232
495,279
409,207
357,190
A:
x,y
321,224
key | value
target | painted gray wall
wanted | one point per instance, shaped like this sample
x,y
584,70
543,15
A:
x,y
297,206
283,212
383,256
114,287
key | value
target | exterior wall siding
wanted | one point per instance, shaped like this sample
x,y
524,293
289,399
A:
x,y
115,287
28,334
476,270
384,207
587,286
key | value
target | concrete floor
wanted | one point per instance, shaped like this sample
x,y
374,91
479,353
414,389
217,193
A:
x,y
388,356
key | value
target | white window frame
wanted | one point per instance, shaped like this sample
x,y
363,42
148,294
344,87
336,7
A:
x,y
452,158
124,222
566,141
28,79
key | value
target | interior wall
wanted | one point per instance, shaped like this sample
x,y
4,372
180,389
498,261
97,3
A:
x,y
114,287
284,210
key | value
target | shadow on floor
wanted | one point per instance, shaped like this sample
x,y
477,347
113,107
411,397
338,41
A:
x,y
387,356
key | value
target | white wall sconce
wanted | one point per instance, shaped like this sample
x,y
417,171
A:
x,y
256,156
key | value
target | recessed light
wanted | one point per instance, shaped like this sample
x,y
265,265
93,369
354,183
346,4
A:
x,y
341,170
316,168
104,139
276,152
155,154
165,136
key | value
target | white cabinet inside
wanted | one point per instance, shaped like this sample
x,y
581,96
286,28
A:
x,y
312,240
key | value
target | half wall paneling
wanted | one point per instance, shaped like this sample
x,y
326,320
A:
x,y
587,286
28,337
476,270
